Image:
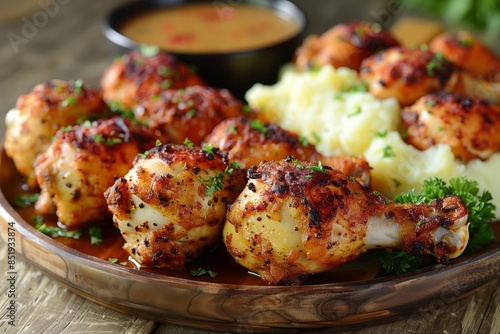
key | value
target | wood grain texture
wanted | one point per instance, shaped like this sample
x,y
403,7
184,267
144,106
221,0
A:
x,y
70,46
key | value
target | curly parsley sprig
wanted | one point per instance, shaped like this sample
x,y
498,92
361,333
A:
x,y
481,212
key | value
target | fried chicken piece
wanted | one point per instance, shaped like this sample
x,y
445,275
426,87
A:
x,y
249,142
468,53
190,113
467,124
343,45
38,115
171,206
80,164
406,74
134,77
296,219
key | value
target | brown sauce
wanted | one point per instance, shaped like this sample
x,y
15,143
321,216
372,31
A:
x,y
366,267
209,28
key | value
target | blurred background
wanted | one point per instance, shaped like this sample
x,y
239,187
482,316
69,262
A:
x,y
48,39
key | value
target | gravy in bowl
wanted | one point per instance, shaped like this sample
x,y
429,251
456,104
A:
x,y
209,28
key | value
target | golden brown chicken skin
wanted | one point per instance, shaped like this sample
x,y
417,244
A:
x,y
406,74
170,207
294,219
470,126
190,113
135,76
344,45
31,125
80,164
467,52
249,142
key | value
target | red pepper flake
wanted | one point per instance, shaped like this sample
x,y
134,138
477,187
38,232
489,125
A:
x,y
182,38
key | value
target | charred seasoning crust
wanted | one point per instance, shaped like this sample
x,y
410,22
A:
x,y
414,66
303,181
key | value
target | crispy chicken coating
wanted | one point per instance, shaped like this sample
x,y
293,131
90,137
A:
x,y
171,206
249,142
38,115
135,76
470,126
294,219
80,164
190,113
468,53
345,45
406,74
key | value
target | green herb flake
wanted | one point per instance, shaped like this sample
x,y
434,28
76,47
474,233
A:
x,y
191,113
356,112
24,201
69,101
188,143
246,109
95,235
77,86
319,168
203,271
232,129
149,50
303,141
381,134
143,155
388,152
54,231
257,125
213,183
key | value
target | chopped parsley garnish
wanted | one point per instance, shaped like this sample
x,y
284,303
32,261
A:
x,y
246,109
115,260
303,141
436,64
69,101
23,201
232,166
318,168
381,134
232,129
188,143
77,86
166,84
54,231
203,271
355,88
149,50
158,142
99,138
297,164
388,152
143,155
191,113
465,42
213,183
481,210
316,137
209,149
257,125
95,235
164,71
356,112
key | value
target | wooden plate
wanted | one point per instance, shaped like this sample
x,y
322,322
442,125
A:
x,y
245,305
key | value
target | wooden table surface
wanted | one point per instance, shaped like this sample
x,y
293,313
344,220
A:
x,y
63,39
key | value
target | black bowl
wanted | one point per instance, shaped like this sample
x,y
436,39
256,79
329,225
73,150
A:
x,y
236,71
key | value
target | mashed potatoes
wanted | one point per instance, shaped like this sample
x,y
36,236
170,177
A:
x,y
331,110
